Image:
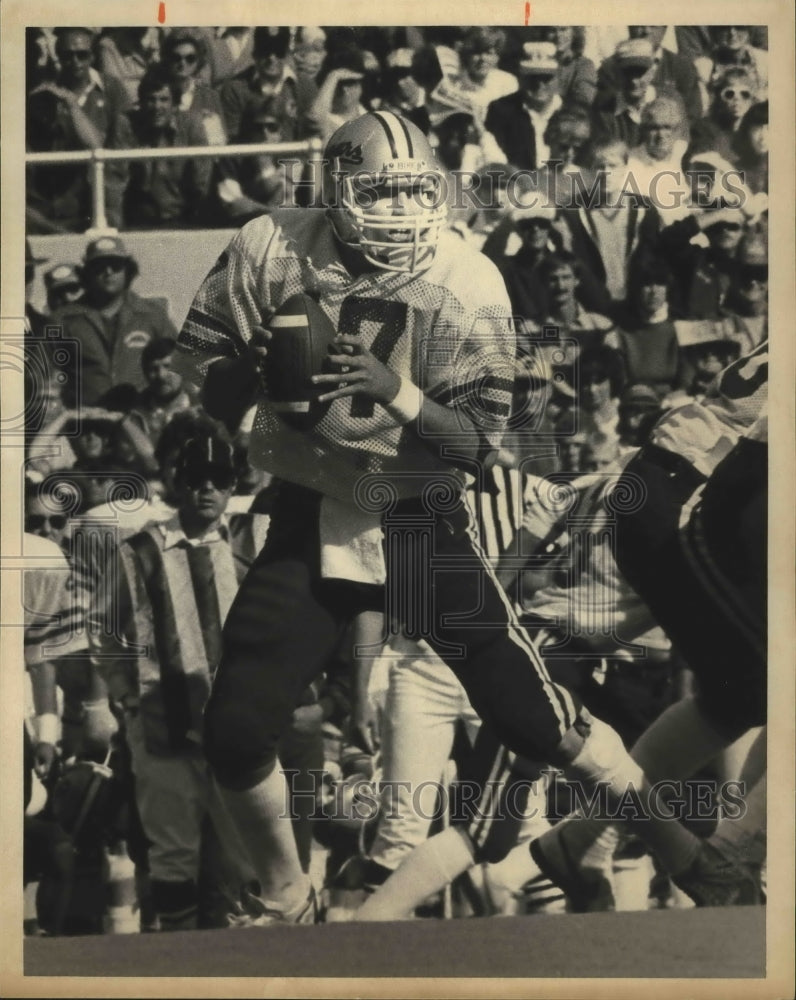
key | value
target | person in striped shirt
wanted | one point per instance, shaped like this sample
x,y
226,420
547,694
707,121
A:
x,y
172,587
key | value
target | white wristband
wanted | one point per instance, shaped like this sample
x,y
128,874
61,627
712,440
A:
x,y
406,405
47,728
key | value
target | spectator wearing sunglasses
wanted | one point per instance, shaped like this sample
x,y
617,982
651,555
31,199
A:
x,y
77,110
126,54
112,324
184,58
734,93
732,47
193,563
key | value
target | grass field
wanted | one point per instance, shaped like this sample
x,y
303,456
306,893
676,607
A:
x,y
706,943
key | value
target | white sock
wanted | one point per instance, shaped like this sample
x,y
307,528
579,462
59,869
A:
x,y
428,868
603,758
262,817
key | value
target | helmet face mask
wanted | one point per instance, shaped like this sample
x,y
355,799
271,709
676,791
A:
x,y
387,193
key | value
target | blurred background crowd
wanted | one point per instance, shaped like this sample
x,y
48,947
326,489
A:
x,y
628,305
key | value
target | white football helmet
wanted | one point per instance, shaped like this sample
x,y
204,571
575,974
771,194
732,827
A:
x,y
385,191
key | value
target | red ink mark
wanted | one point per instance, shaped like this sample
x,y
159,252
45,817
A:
x,y
527,12
162,12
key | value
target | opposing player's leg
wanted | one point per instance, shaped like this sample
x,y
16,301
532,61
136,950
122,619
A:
x,y
707,589
509,686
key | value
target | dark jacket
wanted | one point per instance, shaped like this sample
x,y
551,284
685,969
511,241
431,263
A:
x,y
509,123
106,359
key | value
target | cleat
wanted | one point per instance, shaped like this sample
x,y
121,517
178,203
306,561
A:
x,y
254,911
588,890
716,880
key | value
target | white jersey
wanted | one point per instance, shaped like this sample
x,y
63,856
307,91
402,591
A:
x,y
448,330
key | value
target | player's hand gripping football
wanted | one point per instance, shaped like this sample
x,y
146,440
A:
x,y
257,351
361,373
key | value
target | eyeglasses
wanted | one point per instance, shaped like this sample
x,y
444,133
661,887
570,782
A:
x,y
37,521
189,58
221,479
106,263
81,55
729,94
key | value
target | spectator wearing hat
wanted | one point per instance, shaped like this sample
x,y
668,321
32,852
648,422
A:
x,y
707,348
477,81
639,408
734,92
245,187
517,123
577,75
184,56
126,54
618,113
112,324
64,285
174,585
646,336
668,72
162,192
750,144
270,76
340,91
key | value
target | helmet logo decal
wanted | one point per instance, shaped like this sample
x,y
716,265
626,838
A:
x,y
346,152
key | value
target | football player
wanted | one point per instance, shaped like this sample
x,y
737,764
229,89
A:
x,y
372,493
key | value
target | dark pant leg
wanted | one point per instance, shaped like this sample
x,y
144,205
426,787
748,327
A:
x,y
473,628
279,634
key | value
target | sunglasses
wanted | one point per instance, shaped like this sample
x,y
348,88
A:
x,y
269,126
729,94
188,58
80,55
106,263
221,479
730,227
36,521
537,79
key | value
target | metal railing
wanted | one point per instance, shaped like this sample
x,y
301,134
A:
x,y
97,158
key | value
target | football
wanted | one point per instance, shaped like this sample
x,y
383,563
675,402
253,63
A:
x,y
301,334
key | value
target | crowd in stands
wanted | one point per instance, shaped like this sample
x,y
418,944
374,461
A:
x,y
625,306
